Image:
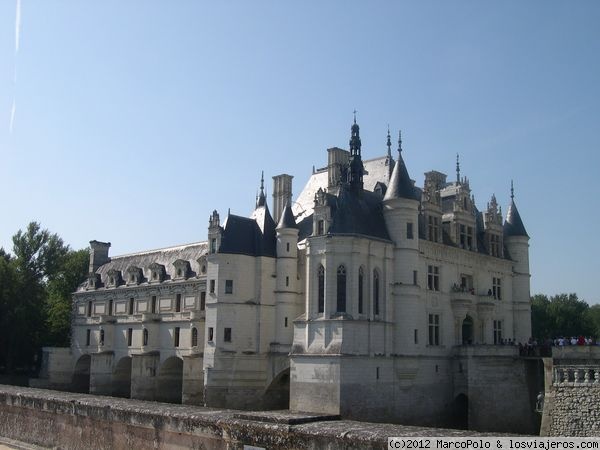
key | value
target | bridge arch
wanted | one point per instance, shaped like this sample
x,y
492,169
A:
x,y
121,385
169,382
81,374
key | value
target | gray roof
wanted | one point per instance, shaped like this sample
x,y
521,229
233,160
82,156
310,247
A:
x,y
513,226
401,186
253,236
375,170
287,218
164,256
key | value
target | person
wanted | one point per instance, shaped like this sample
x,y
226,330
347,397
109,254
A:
x,y
580,340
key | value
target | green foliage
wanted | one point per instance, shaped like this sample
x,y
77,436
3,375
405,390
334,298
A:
x,y
35,294
563,315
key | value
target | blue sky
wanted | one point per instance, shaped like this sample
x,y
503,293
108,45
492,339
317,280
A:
x,y
133,120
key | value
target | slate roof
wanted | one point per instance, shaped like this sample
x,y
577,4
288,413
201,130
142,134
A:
x,y
253,236
400,185
164,256
358,212
513,225
287,218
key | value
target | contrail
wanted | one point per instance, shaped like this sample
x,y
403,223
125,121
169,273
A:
x,y
17,26
12,116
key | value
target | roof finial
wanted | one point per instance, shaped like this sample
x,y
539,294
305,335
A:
x,y
457,170
355,116
512,190
262,181
389,143
260,200
399,141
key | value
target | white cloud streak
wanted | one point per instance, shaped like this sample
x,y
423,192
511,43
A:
x,y
18,26
12,116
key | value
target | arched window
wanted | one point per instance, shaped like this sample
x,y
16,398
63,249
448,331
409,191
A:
x,y
321,283
145,336
376,292
194,337
361,286
341,289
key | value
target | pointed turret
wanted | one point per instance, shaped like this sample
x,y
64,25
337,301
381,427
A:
x,y
287,218
401,186
513,225
355,176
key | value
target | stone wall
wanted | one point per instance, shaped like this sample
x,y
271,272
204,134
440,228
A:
x,y
77,421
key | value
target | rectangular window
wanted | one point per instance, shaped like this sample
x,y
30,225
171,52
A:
x,y
178,303
495,245
129,336
131,301
434,329
213,245
210,334
110,307
89,309
227,334
285,322
463,236
433,228
101,337
497,288
176,337
409,230
416,336
287,281
320,227
466,283
470,241
433,278
88,337
154,304
415,277
212,286
497,331
202,300
229,286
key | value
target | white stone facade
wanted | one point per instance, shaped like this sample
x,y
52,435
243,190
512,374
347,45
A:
x,y
356,302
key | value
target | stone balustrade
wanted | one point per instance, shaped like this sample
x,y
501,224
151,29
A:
x,y
576,375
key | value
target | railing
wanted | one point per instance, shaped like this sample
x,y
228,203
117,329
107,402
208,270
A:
x,y
576,376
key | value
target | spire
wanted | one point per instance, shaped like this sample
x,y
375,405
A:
x,y
513,225
356,165
261,199
457,170
401,186
399,142
389,145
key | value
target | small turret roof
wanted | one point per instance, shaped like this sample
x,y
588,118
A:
x,y
401,186
287,218
513,226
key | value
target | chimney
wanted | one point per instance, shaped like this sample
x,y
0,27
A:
x,y
98,254
282,194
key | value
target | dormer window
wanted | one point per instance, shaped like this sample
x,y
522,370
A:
x,y
114,278
157,272
202,264
182,269
135,275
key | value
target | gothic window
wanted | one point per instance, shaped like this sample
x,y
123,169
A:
x,y
497,331
376,292
194,337
361,290
497,288
433,278
321,288
145,336
341,289
434,329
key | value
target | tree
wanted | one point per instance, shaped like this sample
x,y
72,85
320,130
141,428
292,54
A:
x,y
559,315
59,289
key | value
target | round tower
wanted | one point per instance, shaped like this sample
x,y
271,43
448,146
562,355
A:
x,y
516,241
286,290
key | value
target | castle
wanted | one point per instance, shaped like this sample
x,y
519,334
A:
x,y
367,297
